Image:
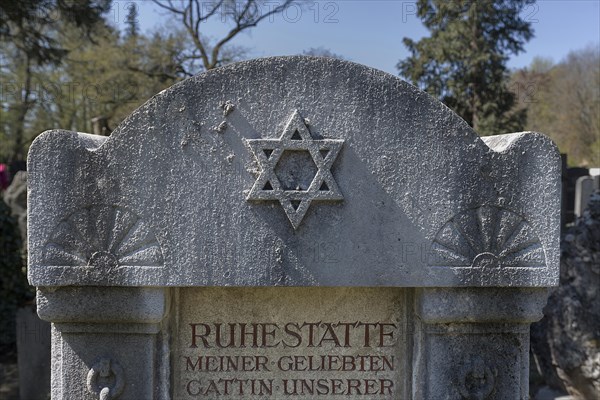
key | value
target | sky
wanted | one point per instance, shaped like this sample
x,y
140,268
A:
x,y
370,32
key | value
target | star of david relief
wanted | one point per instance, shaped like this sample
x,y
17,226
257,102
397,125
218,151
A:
x,y
295,169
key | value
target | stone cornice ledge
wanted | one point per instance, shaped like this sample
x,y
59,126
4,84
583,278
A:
x,y
102,305
480,305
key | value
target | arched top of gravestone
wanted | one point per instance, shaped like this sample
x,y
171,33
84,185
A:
x,y
293,171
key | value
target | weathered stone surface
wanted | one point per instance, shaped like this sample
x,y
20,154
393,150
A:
x,y
566,340
475,354
584,188
102,346
300,343
414,193
432,248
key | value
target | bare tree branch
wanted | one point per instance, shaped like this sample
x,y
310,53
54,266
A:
x,y
243,14
168,7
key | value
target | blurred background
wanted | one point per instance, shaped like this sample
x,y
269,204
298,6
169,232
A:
x,y
504,66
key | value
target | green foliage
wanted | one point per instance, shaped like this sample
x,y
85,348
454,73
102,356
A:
x,y
563,101
463,61
62,64
31,25
108,77
105,78
14,289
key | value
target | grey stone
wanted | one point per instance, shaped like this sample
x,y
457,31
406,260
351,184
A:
x,y
546,393
330,346
584,187
33,345
566,340
273,176
113,347
410,173
95,304
569,183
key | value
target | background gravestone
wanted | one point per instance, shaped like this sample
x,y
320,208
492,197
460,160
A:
x,y
584,188
569,183
563,342
433,247
33,345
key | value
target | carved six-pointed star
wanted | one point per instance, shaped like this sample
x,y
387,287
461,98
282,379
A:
x,y
296,137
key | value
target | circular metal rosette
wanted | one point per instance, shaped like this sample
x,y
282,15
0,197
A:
x,y
103,236
487,237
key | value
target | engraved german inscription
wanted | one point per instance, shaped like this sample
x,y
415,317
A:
x,y
300,343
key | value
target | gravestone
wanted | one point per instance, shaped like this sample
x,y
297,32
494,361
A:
x,y
584,188
33,345
569,184
292,227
